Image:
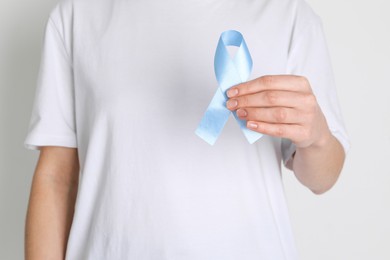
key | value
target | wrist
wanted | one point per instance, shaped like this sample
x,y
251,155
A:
x,y
324,140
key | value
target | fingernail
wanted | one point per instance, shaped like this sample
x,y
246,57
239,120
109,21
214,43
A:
x,y
252,125
231,103
242,112
232,92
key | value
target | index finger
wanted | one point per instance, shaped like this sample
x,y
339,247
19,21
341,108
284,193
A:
x,y
270,82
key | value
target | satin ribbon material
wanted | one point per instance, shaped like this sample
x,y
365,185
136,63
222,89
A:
x,y
228,73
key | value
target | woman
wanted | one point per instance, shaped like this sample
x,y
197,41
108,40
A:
x,y
122,86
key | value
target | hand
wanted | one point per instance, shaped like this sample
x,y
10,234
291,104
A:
x,y
281,106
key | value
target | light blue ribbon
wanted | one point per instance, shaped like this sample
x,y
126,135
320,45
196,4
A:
x,y
228,73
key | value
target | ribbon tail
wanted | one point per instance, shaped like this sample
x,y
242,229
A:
x,y
214,119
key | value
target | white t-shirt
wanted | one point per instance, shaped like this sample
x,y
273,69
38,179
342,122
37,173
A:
x,y
127,82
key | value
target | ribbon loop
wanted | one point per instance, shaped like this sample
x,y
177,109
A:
x,y
228,73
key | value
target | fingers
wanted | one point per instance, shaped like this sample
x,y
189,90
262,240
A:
x,y
268,99
280,115
281,106
292,132
275,82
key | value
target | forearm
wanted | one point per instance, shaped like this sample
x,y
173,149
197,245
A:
x,y
318,167
51,205
49,218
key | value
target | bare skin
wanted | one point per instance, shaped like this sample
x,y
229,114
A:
x,y
51,205
285,106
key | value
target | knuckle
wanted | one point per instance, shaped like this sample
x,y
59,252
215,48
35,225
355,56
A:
x,y
255,114
271,97
279,131
312,113
246,88
307,117
243,101
280,115
267,80
310,100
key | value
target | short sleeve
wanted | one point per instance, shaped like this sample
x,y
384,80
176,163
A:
x,y
52,121
309,57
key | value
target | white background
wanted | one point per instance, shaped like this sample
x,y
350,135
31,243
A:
x,y
350,222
